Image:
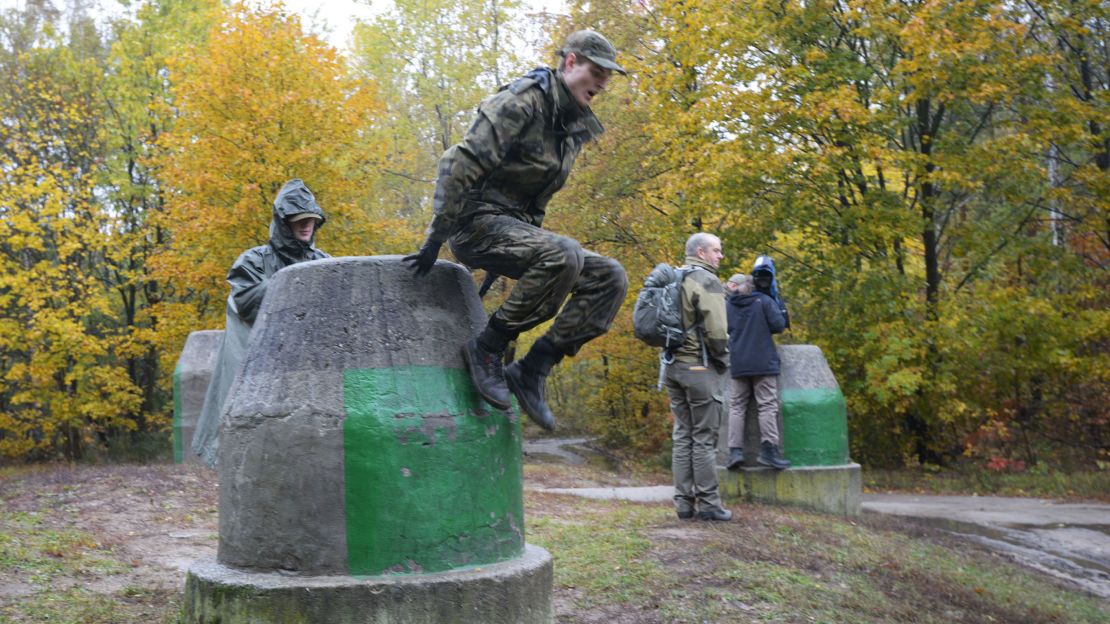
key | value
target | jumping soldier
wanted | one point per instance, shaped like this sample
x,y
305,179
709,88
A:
x,y
491,194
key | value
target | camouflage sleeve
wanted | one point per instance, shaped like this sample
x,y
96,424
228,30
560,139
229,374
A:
x,y
500,120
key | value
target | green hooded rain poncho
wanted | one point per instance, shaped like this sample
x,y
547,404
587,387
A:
x,y
249,277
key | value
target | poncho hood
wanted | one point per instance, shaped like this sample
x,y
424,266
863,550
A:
x,y
294,198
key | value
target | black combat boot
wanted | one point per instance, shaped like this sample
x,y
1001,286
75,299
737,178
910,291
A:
x,y
482,355
526,378
735,458
769,456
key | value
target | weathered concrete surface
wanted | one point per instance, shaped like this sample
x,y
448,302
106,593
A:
x,y
361,477
510,592
190,381
814,435
817,432
1070,541
282,465
832,489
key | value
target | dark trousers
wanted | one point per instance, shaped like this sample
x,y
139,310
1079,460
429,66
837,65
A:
x,y
548,268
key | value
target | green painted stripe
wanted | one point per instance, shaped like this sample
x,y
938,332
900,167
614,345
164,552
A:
x,y
178,455
815,426
431,482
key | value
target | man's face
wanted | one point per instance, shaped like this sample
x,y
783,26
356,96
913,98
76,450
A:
x,y
584,79
711,254
303,229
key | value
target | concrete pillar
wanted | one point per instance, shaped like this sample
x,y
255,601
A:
x,y
190,381
813,427
361,477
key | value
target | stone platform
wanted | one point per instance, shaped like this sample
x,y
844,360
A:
x,y
510,592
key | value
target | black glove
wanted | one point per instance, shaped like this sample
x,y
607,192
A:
x,y
490,279
423,260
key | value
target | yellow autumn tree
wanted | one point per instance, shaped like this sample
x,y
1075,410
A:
x,y
899,160
62,385
259,103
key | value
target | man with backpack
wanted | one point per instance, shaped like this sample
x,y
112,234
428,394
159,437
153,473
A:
x,y
695,381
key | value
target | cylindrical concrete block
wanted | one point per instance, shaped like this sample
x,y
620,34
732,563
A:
x,y
353,441
813,426
814,414
191,377
361,477
812,419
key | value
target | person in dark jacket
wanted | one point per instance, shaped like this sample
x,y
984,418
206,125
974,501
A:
x,y
296,219
754,366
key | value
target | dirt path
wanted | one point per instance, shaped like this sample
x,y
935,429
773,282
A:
x,y
1070,541
155,519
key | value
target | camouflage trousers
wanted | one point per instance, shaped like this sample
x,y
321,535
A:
x,y
548,268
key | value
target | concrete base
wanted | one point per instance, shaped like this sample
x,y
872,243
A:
x,y
510,592
834,489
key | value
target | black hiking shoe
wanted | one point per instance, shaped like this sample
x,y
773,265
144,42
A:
x,y
487,374
528,387
718,515
735,459
769,456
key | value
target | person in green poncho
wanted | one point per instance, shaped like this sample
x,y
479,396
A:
x,y
296,220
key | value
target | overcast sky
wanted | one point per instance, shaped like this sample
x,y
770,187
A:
x,y
336,18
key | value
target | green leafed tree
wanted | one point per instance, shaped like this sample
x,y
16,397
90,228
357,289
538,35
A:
x,y
893,157
435,61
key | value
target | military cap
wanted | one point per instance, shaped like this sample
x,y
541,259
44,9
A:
x,y
594,47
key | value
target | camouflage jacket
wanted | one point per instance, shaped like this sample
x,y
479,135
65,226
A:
x,y
703,311
516,155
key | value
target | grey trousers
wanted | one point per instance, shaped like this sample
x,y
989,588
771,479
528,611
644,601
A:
x,y
697,402
766,394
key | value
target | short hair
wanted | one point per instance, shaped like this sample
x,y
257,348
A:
x,y
744,283
577,55
701,240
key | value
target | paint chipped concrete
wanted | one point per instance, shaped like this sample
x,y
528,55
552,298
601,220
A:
x,y
286,490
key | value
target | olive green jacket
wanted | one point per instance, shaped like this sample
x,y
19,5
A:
x,y
703,314
516,155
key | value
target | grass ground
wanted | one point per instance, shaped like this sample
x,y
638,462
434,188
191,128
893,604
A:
x,y
1037,482
106,544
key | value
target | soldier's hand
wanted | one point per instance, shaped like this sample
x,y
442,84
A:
x,y
423,260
